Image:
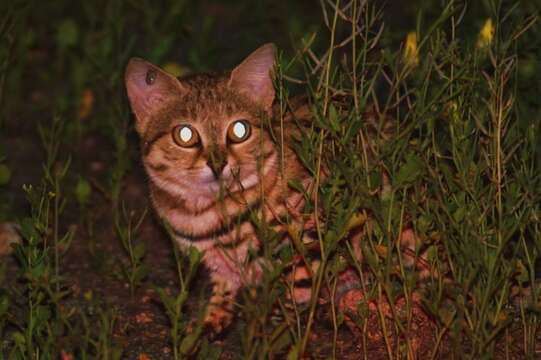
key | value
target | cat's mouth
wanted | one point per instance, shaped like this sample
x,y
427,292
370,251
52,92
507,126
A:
x,y
209,190
229,183
234,181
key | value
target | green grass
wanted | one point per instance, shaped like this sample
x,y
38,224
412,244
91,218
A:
x,y
462,169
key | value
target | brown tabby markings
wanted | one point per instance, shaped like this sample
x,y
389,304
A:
x,y
208,211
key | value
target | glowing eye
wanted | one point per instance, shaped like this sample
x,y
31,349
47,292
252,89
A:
x,y
185,136
239,131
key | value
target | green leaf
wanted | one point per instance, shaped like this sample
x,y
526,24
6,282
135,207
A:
x,y
161,48
333,118
410,171
189,342
167,301
369,256
18,338
293,353
5,174
140,273
459,214
38,271
195,258
296,185
362,310
340,318
208,351
424,223
330,239
4,305
282,338
42,315
67,34
82,191
139,251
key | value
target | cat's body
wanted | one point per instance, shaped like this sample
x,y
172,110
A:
x,y
213,164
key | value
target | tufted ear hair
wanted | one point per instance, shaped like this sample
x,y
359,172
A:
x,y
253,77
148,87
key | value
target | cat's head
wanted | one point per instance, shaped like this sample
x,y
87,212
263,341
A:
x,y
203,137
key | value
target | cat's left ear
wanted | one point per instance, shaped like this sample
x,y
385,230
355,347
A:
x,y
149,88
253,77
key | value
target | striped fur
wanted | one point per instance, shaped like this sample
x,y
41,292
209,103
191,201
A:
x,y
214,213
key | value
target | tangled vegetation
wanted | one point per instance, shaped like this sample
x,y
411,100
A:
x,y
95,275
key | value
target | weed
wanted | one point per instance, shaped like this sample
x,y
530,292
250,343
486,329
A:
x,y
428,124
185,337
135,271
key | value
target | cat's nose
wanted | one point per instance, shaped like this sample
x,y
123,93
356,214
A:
x,y
217,166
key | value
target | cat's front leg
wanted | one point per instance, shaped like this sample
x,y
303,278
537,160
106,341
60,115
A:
x,y
228,274
220,308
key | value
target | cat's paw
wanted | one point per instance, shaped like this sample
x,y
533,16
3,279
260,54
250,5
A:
x,y
219,313
218,318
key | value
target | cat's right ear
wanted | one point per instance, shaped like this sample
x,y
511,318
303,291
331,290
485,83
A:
x,y
148,87
253,77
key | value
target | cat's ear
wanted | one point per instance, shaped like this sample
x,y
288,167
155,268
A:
x,y
253,77
148,87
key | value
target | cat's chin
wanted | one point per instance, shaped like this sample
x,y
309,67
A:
x,y
202,192
197,201
200,201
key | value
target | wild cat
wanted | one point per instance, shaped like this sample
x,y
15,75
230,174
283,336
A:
x,y
212,148
212,162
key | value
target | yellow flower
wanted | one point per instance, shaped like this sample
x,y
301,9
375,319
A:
x,y
486,35
411,52
86,104
176,69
